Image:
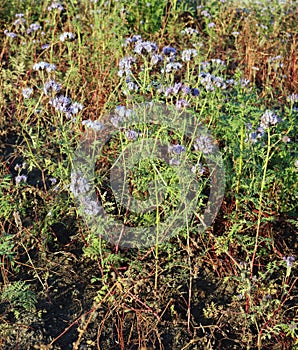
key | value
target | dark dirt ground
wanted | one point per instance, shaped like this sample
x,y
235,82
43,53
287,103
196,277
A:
x,y
63,310
135,316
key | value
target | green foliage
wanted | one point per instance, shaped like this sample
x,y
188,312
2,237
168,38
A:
x,y
19,295
146,16
6,204
7,248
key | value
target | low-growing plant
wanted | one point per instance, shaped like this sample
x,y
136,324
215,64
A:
x,y
20,297
173,105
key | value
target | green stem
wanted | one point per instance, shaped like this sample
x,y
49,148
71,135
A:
x,y
157,233
265,166
240,167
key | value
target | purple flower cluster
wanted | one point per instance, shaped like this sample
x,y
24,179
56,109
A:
x,y
180,104
67,36
60,103
188,54
268,119
27,92
204,144
10,34
176,89
55,5
131,86
64,104
189,31
176,149
51,86
198,169
289,260
74,109
96,125
44,66
20,19
155,58
134,39
170,53
293,98
173,90
210,82
125,66
206,14
90,206
20,178
172,66
206,78
211,25
121,113
34,27
79,185
254,136
147,46
132,135
45,46
244,82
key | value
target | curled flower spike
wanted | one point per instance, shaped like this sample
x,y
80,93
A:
x,y
188,54
189,31
20,178
289,260
132,135
74,109
67,36
146,46
204,144
95,125
168,50
55,6
125,65
19,21
180,104
79,185
44,66
292,98
156,58
10,34
133,39
173,67
176,149
27,92
33,28
60,103
51,85
269,118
